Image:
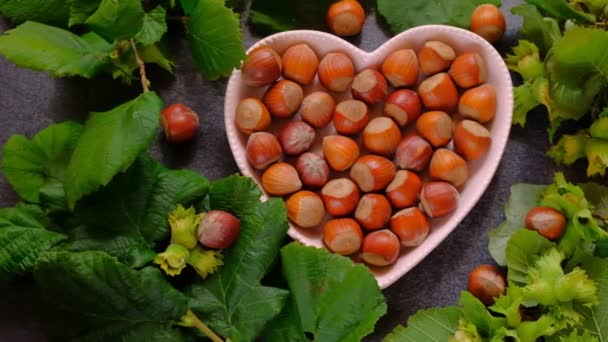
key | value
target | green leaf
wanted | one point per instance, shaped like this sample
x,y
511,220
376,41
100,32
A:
x,y
523,249
23,238
81,10
54,50
153,54
138,202
331,298
596,6
52,12
525,60
31,165
215,37
117,19
401,15
574,336
561,9
475,312
188,6
540,30
269,16
91,296
154,26
429,325
523,198
109,144
232,301
569,148
527,97
597,154
596,318
597,195
599,128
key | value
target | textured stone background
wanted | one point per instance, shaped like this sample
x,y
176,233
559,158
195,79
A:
x,y
30,101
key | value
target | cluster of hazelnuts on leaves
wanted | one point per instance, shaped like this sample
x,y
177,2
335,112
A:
x,y
487,282
369,177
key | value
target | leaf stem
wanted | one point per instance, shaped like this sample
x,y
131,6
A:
x,y
145,83
181,19
196,323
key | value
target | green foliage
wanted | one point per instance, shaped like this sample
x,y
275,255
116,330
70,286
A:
x,y
117,19
215,38
132,211
541,31
561,9
52,12
402,15
109,144
596,318
81,10
54,50
30,166
572,78
428,325
153,28
523,198
232,301
523,249
91,296
329,298
23,238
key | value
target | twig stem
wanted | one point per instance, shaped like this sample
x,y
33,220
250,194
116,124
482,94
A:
x,y
203,327
145,83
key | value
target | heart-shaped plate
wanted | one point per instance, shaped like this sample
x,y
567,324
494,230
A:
x,y
481,171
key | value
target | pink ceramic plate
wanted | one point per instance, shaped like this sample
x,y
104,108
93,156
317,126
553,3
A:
x,y
481,171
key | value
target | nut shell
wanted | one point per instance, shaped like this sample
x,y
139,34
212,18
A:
x,y
296,137
401,68
381,136
317,109
439,199
336,72
471,140
369,86
380,248
373,211
300,63
413,153
345,18
252,116
479,103
283,98
436,127
435,56
411,226
305,209
340,197
351,117
404,190
403,106
488,21
342,236
281,179
262,67
469,70
372,173
313,170
262,150
340,151
439,92
449,167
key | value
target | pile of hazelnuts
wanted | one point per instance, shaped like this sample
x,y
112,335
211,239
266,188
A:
x,y
378,179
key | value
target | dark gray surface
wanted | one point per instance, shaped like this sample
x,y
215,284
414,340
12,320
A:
x,y
30,101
